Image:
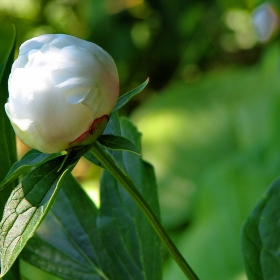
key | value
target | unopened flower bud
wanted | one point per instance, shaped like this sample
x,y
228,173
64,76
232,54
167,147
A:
x,y
58,87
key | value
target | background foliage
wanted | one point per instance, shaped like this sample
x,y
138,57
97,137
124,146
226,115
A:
x,y
209,116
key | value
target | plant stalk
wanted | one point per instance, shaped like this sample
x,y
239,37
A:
x,y
108,163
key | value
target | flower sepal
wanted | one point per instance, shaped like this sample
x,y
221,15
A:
x,y
92,134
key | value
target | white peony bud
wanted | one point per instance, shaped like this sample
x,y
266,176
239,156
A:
x,y
59,85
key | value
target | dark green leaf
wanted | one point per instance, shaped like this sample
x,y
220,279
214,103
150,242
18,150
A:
x,y
260,237
8,153
113,127
28,204
76,241
7,140
118,143
128,237
92,159
67,243
127,96
30,159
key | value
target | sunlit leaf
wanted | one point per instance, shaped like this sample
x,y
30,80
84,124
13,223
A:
x,y
27,206
30,159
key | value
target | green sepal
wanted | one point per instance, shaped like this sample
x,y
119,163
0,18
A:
x,y
94,131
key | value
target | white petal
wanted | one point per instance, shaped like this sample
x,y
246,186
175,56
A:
x,y
92,101
20,62
29,45
26,131
36,43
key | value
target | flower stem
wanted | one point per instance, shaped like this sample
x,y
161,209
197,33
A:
x,y
108,163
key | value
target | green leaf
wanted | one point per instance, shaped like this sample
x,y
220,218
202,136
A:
x,y
8,153
76,241
260,237
27,206
127,234
114,128
91,158
30,159
7,140
67,243
14,272
127,96
118,143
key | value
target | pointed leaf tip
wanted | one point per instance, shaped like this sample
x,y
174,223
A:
x,y
129,95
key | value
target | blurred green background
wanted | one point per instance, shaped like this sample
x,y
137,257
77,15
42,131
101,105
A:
x,y
209,116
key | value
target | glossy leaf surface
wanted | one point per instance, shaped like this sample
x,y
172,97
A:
x,y
30,159
27,206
